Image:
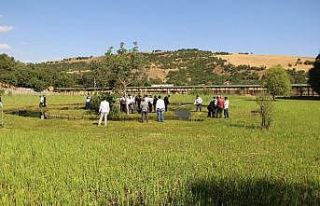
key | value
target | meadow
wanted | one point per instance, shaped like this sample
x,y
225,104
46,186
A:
x,y
210,162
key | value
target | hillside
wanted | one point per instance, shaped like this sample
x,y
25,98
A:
x,y
180,67
288,62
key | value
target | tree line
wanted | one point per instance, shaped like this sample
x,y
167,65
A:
x,y
124,67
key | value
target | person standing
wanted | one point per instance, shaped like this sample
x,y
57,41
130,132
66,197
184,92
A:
x,y
44,101
226,108
150,101
155,103
166,102
211,108
41,103
220,105
144,110
198,103
138,100
104,111
160,108
88,103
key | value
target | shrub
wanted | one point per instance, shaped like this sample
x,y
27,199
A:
x,y
266,107
111,98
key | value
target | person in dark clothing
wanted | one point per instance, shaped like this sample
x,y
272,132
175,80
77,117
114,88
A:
x,y
138,103
155,99
211,108
150,101
44,101
166,102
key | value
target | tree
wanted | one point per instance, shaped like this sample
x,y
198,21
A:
x,y
125,69
122,49
135,48
314,75
266,109
277,81
109,51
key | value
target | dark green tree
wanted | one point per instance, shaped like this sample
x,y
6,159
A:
x,y
277,81
314,75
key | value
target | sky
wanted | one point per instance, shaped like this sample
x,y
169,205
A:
x,y
41,30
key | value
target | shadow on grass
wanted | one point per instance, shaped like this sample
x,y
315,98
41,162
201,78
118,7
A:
x,y
244,125
249,192
24,113
301,98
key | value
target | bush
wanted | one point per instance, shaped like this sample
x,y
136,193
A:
x,y
111,98
266,107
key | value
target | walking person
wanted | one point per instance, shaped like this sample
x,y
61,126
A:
x,y
160,107
198,103
144,110
226,108
166,102
104,111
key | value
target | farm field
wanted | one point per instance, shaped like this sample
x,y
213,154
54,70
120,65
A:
x,y
209,162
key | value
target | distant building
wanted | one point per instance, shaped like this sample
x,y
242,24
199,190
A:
x,y
162,85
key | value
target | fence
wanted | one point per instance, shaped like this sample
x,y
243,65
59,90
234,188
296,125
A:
x,y
297,90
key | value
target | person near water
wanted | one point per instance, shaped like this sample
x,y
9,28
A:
x,y
166,102
198,103
160,108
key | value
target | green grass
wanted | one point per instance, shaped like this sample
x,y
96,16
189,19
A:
x,y
234,162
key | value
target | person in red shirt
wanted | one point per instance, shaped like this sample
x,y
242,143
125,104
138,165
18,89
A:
x,y
220,105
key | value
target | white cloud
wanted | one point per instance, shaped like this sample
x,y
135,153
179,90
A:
x,y
4,46
4,29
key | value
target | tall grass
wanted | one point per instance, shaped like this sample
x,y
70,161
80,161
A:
x,y
214,162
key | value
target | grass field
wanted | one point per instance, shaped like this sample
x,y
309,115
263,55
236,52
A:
x,y
210,162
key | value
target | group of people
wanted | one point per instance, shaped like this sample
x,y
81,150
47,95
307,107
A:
x,y
144,106
217,106
133,103
159,105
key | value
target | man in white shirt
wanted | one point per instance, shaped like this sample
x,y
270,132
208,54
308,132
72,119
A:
x,y
226,107
104,111
198,103
160,108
